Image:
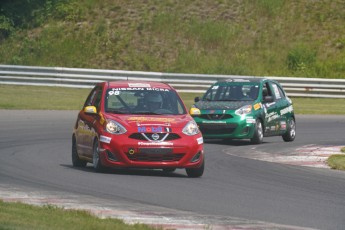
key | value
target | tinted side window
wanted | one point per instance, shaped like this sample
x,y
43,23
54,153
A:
x,y
94,98
277,91
98,98
266,90
90,98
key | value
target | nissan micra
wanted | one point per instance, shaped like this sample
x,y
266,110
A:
x,y
245,108
135,124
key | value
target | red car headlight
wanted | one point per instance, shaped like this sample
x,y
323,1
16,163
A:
x,y
191,128
114,127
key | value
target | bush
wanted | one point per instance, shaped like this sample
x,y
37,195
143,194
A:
x,y
6,27
301,58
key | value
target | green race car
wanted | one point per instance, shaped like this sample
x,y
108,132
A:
x,y
245,108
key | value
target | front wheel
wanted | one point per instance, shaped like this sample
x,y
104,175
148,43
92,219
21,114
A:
x,y
96,160
196,172
258,136
290,131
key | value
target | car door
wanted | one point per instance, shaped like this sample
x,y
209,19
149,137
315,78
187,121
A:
x,y
87,123
284,108
271,108
277,120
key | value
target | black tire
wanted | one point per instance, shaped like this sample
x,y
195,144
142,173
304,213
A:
x,y
169,170
76,161
290,131
258,136
97,164
196,172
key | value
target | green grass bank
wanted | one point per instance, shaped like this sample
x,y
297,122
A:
x,y
58,98
54,218
299,38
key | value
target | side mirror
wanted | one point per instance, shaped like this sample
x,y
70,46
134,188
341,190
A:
x,y
196,99
194,112
90,110
268,99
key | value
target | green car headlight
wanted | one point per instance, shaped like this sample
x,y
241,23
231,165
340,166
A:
x,y
247,109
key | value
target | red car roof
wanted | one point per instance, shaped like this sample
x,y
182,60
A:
x,y
132,84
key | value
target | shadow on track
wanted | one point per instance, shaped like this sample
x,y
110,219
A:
x,y
232,142
128,171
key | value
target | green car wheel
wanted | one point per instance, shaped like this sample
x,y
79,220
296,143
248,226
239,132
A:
x,y
291,131
258,133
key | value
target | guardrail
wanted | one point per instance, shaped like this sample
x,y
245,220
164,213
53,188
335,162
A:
x,y
190,83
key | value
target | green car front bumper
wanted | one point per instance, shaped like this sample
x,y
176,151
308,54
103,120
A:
x,y
234,127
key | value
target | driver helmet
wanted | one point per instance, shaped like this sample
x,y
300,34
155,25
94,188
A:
x,y
154,99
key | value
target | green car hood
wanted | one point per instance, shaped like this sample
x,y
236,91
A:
x,y
221,105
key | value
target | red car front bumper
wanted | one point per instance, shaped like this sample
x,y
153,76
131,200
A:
x,y
122,151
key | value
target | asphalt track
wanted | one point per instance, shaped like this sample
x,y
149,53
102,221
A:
x,y
243,186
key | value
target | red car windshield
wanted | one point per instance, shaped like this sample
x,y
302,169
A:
x,y
143,101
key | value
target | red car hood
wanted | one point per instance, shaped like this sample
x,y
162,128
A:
x,y
162,120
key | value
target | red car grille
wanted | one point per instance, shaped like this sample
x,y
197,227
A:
x,y
147,157
140,136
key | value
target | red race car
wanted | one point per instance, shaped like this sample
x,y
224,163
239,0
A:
x,y
136,124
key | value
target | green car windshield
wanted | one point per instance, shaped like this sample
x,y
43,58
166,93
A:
x,y
234,91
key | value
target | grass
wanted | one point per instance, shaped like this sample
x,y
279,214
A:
x,y
259,38
38,97
58,98
51,217
337,161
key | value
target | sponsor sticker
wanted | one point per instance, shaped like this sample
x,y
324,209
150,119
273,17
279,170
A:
x,y
101,119
272,116
286,110
257,106
270,104
159,119
214,122
155,143
116,91
241,80
283,125
153,129
104,139
135,85
212,111
200,140
250,120
276,91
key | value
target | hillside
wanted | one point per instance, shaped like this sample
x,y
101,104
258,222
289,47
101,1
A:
x,y
300,38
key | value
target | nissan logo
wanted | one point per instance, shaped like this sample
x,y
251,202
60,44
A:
x,y
155,136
